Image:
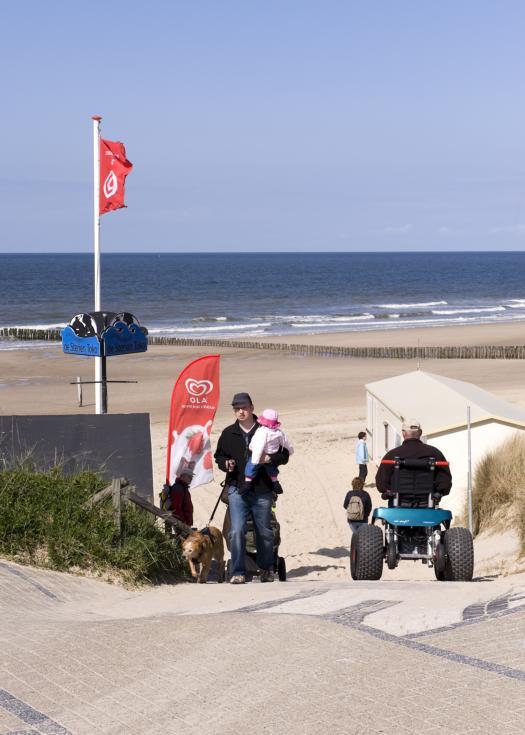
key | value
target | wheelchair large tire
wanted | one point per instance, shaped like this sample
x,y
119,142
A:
x,y
281,569
366,553
459,548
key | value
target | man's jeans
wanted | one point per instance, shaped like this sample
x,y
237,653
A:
x,y
356,525
260,506
363,471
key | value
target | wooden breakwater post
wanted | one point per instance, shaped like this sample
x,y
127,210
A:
x,y
21,333
431,352
442,352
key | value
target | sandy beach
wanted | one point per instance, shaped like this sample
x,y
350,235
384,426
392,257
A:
x,y
502,333
321,402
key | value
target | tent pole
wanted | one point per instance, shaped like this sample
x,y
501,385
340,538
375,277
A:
x,y
469,470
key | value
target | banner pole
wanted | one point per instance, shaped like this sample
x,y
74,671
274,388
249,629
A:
x,y
96,246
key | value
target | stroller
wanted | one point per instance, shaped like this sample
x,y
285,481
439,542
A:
x,y
252,570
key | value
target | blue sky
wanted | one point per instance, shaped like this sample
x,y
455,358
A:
x,y
275,125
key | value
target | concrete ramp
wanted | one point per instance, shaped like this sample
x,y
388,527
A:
x,y
82,657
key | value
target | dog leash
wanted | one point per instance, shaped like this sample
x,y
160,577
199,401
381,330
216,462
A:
x,y
217,503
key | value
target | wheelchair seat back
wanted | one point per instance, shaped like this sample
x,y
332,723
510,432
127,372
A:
x,y
413,481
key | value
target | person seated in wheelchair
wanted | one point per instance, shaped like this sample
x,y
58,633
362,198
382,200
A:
x,y
418,473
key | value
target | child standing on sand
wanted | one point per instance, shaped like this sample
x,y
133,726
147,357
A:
x,y
266,441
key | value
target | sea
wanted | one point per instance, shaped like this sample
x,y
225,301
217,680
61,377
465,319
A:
x,y
236,296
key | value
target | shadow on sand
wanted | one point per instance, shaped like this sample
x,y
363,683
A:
x,y
338,553
303,571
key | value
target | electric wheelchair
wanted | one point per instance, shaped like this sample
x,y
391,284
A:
x,y
413,527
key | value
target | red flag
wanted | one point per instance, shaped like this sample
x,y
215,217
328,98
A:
x,y
114,167
194,402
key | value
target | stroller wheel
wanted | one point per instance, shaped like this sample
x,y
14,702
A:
x,y
281,569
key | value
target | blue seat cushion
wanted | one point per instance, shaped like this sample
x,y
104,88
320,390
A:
x,y
412,516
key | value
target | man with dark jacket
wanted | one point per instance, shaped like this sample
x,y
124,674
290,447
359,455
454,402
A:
x,y
231,456
413,448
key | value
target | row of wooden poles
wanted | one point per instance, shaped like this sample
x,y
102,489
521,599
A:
x,y
453,352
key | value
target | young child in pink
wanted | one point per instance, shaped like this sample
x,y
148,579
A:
x,y
266,441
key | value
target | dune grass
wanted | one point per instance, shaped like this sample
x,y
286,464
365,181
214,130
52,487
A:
x,y
498,494
44,521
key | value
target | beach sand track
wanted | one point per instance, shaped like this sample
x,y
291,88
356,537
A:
x,y
322,406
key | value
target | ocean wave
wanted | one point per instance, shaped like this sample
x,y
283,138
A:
x,y
10,345
323,319
351,317
281,325
299,317
412,306
445,312
195,330
440,322
210,319
334,323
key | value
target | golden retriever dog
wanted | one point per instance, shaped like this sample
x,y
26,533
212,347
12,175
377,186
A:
x,y
199,548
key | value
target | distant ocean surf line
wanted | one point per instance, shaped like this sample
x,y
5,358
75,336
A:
x,y
242,295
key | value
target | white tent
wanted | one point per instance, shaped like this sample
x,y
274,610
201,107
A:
x,y
440,404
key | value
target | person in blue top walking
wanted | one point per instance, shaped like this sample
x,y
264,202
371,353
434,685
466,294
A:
x,y
362,457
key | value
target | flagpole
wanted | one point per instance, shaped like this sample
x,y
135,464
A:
x,y
96,246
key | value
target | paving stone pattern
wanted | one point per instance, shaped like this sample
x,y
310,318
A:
x,y
252,671
500,640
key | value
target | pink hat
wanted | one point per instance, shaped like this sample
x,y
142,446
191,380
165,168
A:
x,y
269,418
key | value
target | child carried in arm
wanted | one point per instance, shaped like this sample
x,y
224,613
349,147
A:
x,y
265,442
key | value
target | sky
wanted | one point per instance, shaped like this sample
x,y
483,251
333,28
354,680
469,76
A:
x,y
283,125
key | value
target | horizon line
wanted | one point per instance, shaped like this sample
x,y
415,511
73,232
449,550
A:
x,y
255,252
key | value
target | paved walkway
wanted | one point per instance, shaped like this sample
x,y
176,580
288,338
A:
x,y
82,657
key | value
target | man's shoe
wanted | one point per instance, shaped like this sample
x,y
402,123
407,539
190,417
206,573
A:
x,y
237,579
267,575
277,488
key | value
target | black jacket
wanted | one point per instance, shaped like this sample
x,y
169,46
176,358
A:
x,y
233,444
367,503
415,449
